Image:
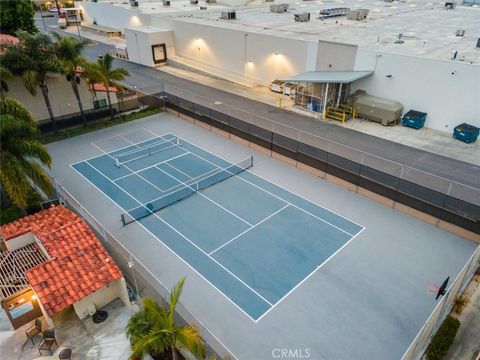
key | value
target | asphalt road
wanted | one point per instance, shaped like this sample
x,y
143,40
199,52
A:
x,y
144,77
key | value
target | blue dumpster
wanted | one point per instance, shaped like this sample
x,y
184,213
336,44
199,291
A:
x,y
414,119
466,133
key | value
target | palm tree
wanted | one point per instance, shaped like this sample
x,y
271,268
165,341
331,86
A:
x,y
33,59
152,330
21,155
104,72
5,74
69,52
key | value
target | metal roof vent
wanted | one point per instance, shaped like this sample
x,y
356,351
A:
x,y
460,33
450,5
399,39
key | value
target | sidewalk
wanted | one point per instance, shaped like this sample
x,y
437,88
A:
x,y
466,345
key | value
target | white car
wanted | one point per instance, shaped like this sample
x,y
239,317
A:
x,y
276,86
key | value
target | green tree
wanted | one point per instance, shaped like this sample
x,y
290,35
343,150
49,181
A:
x,y
69,52
21,154
152,330
17,15
5,75
33,59
103,72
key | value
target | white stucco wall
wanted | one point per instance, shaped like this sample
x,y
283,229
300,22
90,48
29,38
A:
x,y
248,55
140,41
61,96
448,91
101,297
116,17
20,241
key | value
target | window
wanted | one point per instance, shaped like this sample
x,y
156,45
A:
x,y
99,103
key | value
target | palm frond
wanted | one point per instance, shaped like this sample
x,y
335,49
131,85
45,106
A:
x,y
12,107
13,180
189,337
38,175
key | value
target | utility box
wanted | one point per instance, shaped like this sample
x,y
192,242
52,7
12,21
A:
x,y
414,119
466,133
383,111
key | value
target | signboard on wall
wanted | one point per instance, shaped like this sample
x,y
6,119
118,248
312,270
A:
x,y
159,53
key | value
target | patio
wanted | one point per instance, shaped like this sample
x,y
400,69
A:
x,y
106,341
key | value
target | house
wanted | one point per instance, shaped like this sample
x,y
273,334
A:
x,y
52,260
61,95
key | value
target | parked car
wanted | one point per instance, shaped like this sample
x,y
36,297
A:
x,y
54,10
62,23
276,86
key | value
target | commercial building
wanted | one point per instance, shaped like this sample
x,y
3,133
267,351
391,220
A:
x,y
422,54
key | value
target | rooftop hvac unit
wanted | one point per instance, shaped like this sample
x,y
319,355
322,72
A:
x,y
203,8
333,12
459,33
478,43
357,14
450,4
228,15
134,3
210,1
302,17
166,2
278,8
193,2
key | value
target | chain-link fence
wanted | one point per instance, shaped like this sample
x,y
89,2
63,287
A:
x,y
443,308
144,281
444,199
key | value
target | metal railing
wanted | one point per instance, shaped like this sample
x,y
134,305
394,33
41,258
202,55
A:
x,y
147,283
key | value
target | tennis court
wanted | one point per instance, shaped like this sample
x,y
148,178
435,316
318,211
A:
x,y
252,240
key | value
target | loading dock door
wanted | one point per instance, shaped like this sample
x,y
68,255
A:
x,y
159,53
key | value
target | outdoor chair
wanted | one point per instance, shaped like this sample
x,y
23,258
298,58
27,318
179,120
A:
x,y
65,354
34,330
47,342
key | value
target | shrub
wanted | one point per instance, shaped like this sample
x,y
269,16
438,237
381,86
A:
x,y
9,214
459,304
442,340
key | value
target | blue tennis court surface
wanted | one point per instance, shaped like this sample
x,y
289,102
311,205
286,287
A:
x,y
254,241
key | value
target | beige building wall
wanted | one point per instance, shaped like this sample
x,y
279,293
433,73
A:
x,y
62,97
100,298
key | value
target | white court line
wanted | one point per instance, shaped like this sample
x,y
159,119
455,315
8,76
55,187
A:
x,y
268,180
180,171
308,276
186,238
280,198
206,197
149,167
157,238
128,152
189,186
173,187
244,232
124,133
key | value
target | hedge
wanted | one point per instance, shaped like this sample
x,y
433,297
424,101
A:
x,y
442,340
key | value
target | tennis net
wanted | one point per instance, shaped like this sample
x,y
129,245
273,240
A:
x,y
189,189
138,153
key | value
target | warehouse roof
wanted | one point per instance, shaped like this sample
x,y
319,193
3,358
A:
x,y
341,77
427,29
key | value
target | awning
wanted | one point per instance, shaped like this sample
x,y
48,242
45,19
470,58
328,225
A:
x,y
338,77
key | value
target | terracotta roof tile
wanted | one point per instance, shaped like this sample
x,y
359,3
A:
x,y
78,265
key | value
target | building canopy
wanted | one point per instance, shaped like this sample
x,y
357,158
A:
x,y
338,77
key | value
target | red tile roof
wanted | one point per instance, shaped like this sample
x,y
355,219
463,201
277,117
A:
x,y
8,39
78,265
101,88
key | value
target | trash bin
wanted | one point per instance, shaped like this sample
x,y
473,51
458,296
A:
x,y
414,119
466,133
